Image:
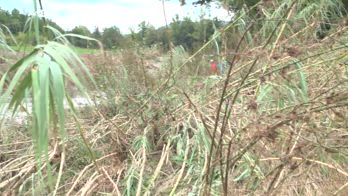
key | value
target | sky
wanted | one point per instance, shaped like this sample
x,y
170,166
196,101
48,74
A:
x,y
124,14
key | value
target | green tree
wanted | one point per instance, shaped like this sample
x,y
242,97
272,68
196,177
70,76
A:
x,y
15,24
163,38
80,30
182,32
204,30
4,17
112,38
237,5
324,12
230,4
96,34
146,34
151,36
142,31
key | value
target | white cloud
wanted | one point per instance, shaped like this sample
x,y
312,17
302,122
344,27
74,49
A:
x,y
124,14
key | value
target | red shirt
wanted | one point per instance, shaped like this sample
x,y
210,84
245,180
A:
x,y
213,67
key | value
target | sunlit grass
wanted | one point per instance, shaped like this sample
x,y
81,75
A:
x,y
281,129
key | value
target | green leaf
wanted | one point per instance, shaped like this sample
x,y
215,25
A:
x,y
59,59
242,176
36,103
58,93
28,58
19,94
58,35
2,82
264,91
68,53
16,78
303,81
43,96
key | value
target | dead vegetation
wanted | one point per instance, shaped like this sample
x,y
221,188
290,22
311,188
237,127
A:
x,y
275,124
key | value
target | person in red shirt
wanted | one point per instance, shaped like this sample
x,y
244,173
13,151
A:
x,y
213,67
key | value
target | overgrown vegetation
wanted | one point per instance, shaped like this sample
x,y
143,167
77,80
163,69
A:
x,y
191,35
275,123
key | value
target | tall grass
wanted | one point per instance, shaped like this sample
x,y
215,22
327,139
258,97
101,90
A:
x,y
275,124
278,87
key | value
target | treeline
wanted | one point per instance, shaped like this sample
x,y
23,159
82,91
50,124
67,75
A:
x,y
190,34
18,23
183,32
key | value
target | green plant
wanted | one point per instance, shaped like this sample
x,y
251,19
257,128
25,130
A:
x,y
41,76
